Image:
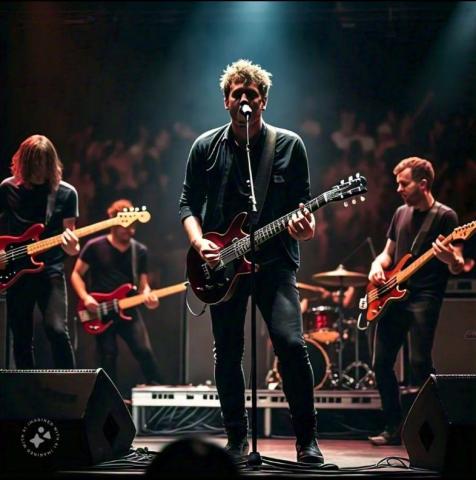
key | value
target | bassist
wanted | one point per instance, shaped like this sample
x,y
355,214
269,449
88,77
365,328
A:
x,y
110,261
36,194
420,224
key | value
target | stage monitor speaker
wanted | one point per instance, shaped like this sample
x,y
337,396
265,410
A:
x,y
454,348
440,427
56,419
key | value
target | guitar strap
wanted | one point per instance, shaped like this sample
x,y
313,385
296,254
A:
x,y
425,227
265,168
134,262
50,205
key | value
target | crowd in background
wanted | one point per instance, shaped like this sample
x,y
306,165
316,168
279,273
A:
x,y
148,168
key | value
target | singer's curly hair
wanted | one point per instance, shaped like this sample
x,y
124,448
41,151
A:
x,y
420,167
245,71
34,151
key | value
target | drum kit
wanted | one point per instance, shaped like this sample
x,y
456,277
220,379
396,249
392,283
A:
x,y
327,332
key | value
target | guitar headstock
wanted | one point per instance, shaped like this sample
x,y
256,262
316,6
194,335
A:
x,y
131,215
465,231
345,189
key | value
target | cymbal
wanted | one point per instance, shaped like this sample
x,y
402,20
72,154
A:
x,y
340,277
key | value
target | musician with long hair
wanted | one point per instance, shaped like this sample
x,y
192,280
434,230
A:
x,y
36,193
418,225
215,190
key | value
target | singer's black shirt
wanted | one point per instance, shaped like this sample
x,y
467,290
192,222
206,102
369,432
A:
x,y
215,188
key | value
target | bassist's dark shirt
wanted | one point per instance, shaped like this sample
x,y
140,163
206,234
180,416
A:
x,y
110,268
21,207
405,225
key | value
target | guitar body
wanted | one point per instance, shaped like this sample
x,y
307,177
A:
x,y
376,308
95,324
13,268
217,285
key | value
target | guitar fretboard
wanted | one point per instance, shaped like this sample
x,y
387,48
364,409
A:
x,y
407,272
130,302
44,245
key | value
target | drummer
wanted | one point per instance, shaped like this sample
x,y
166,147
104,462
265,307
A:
x,y
327,297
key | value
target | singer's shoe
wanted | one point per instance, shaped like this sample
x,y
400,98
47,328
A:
x,y
387,437
309,452
237,448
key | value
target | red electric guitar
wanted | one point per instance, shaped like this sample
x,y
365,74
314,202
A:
x,y
215,285
111,306
378,297
17,254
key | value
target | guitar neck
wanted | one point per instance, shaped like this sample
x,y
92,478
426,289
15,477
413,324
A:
x,y
130,302
44,245
407,272
280,224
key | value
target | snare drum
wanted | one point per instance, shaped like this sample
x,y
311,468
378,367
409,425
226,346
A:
x,y
320,363
320,324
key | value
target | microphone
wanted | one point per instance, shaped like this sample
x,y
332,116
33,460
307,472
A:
x,y
245,108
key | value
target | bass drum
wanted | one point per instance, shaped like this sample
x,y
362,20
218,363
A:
x,y
320,363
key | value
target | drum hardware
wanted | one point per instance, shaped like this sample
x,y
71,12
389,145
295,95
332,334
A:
x,y
342,278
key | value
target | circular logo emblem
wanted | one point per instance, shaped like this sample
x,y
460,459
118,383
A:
x,y
40,437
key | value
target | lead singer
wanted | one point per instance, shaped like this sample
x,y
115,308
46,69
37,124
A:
x,y
215,190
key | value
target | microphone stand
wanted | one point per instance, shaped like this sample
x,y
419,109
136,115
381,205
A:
x,y
254,457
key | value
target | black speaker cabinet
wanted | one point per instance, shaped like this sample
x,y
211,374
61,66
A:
x,y
440,429
53,419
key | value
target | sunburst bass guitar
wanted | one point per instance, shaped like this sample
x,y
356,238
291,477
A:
x,y
379,297
17,254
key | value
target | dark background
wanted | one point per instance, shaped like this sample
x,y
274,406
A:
x,y
112,68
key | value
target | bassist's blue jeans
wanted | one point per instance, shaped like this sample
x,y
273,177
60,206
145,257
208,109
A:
x,y
278,301
418,316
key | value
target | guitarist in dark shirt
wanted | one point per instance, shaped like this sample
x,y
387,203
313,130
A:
x,y
106,262
418,314
215,190
36,194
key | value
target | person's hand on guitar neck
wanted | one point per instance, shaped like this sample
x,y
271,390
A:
x,y
448,254
208,250
302,224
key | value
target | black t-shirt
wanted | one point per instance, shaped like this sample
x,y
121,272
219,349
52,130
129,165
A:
x,y
22,207
110,268
405,225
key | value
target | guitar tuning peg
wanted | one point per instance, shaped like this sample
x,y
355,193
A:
x,y
342,182
346,204
124,209
362,198
357,175
350,178
354,201
136,209
144,208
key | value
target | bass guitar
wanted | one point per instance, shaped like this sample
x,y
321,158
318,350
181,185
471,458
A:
x,y
112,305
379,297
17,254
216,284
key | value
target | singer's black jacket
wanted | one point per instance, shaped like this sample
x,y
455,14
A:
x,y
213,186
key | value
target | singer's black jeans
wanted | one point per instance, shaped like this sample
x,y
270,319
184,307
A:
x,y
278,300
50,294
418,316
